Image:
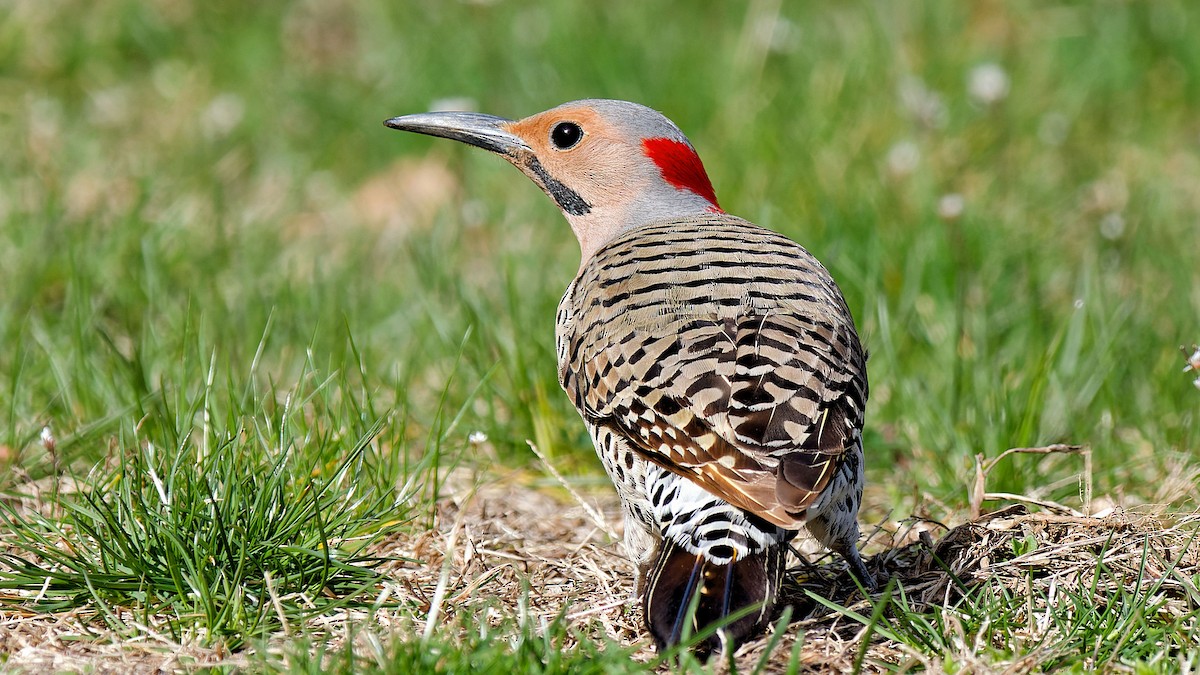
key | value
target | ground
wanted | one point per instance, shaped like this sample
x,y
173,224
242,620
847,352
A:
x,y
498,550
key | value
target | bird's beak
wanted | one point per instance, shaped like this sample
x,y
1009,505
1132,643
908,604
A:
x,y
482,131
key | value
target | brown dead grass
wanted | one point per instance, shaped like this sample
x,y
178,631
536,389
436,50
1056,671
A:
x,y
508,543
500,549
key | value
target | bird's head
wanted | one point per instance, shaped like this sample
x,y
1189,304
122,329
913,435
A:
x,y
610,166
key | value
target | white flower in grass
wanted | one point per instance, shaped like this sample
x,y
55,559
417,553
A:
x,y
1112,226
987,83
223,114
950,206
1193,363
477,438
902,158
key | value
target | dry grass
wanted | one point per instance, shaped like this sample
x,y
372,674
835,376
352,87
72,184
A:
x,y
528,552
498,550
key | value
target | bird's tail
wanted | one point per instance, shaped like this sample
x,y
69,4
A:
x,y
678,576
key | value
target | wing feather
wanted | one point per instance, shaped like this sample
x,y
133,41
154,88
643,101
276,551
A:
x,y
755,398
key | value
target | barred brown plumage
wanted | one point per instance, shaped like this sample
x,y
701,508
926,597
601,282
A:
x,y
715,363
718,364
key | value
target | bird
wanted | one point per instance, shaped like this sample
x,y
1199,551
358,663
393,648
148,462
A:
x,y
715,364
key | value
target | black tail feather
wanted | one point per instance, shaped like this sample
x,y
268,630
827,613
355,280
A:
x,y
724,590
688,589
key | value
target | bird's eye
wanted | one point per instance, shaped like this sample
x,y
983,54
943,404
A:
x,y
566,135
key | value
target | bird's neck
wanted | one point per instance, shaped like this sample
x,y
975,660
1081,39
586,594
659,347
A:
x,y
605,222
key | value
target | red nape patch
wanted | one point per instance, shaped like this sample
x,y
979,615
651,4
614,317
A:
x,y
680,167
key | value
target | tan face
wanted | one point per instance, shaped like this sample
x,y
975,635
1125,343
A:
x,y
580,149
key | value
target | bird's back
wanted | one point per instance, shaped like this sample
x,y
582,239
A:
x,y
723,352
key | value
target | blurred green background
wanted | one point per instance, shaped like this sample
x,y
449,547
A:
x,y
198,201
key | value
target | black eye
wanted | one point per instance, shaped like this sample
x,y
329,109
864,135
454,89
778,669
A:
x,y
565,135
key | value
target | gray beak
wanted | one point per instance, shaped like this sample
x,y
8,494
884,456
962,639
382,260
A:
x,y
482,131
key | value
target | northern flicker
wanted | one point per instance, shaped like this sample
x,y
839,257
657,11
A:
x,y
715,363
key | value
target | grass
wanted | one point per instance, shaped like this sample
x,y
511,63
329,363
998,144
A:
x,y
247,334
196,538
472,649
1100,598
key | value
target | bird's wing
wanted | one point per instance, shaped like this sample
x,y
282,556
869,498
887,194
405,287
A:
x,y
757,408
722,351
